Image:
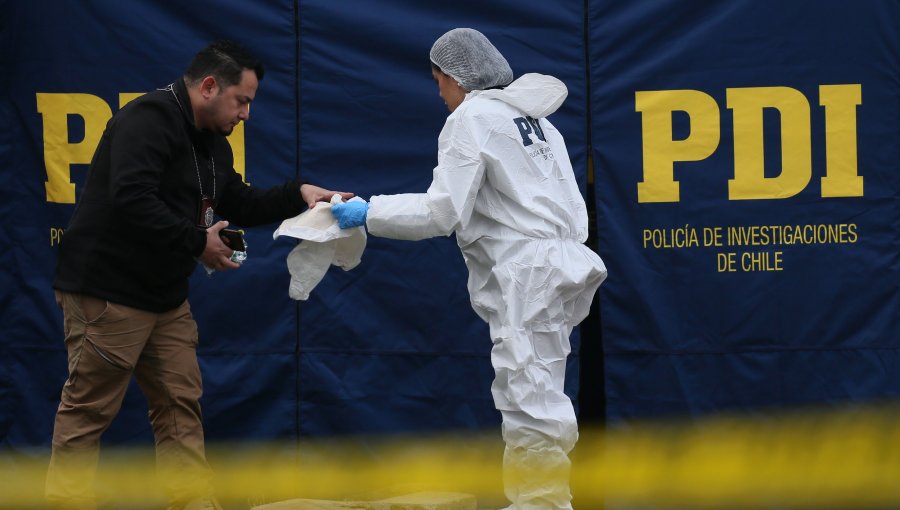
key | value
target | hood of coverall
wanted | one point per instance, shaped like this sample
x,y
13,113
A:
x,y
536,95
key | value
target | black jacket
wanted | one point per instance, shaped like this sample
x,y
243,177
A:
x,y
133,237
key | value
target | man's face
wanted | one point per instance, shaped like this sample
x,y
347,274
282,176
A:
x,y
450,91
231,105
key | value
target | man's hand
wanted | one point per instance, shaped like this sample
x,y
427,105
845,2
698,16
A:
x,y
312,194
217,255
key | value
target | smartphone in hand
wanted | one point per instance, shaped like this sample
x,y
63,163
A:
x,y
234,239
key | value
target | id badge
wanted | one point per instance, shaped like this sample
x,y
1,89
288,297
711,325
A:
x,y
207,212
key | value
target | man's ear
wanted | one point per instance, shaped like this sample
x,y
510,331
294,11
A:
x,y
209,87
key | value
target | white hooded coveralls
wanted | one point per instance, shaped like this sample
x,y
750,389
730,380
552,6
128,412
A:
x,y
504,184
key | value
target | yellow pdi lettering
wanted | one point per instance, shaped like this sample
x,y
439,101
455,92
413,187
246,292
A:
x,y
59,153
660,150
749,180
841,178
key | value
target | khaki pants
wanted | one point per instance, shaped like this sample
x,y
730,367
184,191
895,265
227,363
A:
x,y
106,344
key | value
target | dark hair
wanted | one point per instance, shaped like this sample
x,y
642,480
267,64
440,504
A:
x,y
224,60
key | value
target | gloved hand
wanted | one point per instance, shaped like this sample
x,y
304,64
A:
x,y
350,214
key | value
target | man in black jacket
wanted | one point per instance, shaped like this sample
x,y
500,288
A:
x,y
161,172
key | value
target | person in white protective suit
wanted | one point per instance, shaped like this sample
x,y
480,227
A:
x,y
504,184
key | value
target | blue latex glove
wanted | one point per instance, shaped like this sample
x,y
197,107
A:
x,y
351,214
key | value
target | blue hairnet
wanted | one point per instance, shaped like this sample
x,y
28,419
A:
x,y
469,58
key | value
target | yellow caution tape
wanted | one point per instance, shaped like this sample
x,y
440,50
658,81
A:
x,y
837,459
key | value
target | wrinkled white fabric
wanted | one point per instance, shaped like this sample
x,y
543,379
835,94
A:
x,y
504,184
323,244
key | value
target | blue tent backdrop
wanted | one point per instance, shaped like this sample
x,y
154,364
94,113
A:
x,y
392,346
790,295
